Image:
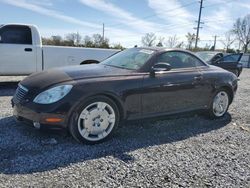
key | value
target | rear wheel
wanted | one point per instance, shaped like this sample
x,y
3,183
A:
x,y
219,104
95,121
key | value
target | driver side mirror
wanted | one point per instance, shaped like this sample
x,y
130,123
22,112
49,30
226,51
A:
x,y
159,67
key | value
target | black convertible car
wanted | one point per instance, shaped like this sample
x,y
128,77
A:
x,y
91,100
230,62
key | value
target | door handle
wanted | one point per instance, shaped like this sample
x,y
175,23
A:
x,y
28,49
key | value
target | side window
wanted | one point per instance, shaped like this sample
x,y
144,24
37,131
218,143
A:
x,y
15,35
231,58
179,60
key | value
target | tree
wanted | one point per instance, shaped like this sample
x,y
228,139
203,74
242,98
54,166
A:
x,y
46,41
180,45
229,40
118,46
99,42
97,39
88,42
190,39
105,43
172,42
160,43
241,29
148,39
75,38
56,40
207,47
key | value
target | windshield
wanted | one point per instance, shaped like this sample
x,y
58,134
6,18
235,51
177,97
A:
x,y
206,56
133,58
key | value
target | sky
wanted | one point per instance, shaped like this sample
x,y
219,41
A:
x,y
126,21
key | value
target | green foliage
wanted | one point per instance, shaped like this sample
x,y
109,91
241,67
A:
x,y
118,46
76,40
230,50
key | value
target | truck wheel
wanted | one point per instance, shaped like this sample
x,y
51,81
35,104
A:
x,y
95,120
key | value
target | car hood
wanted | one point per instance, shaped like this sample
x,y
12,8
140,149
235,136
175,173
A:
x,y
71,73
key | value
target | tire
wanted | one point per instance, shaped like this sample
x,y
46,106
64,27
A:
x,y
95,120
219,105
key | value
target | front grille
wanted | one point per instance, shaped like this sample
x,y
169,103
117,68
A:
x,y
20,94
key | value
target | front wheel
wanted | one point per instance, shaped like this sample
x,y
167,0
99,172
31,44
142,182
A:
x,y
219,104
95,120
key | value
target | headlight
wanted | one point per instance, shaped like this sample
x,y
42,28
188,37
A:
x,y
53,95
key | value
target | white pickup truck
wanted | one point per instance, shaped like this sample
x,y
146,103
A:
x,y
22,52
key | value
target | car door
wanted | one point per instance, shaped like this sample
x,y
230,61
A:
x,y
230,62
173,91
216,58
17,55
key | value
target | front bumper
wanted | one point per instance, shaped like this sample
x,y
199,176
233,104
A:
x,y
29,116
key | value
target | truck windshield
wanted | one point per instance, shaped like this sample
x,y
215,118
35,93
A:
x,y
133,58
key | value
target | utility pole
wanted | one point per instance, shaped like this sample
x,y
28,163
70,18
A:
x,y
215,38
103,32
198,25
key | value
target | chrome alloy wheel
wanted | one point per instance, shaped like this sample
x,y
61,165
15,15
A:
x,y
220,103
96,121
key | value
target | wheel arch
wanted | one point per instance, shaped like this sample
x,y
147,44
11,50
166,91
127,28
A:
x,y
89,61
117,101
111,96
229,90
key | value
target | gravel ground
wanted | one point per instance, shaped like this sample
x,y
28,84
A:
x,y
176,152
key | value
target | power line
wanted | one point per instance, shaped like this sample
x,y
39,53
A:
x,y
155,14
214,4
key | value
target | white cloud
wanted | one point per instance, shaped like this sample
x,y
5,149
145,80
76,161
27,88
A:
x,y
220,20
172,11
122,16
125,37
244,5
47,3
180,24
48,12
171,17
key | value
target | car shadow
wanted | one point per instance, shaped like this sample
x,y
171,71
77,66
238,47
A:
x,y
24,150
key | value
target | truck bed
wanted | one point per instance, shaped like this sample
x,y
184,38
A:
x,y
55,56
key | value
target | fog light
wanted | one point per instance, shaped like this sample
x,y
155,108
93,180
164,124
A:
x,y
37,125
